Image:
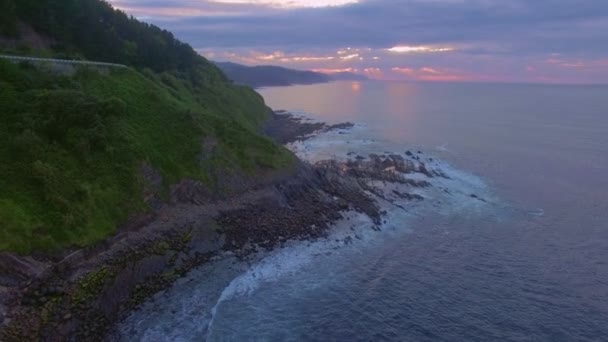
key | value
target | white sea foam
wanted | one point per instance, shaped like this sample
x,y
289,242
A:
x,y
442,148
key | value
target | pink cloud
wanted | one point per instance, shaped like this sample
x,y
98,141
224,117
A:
x,y
334,71
429,70
407,71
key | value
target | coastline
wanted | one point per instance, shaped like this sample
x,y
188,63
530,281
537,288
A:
x,y
85,293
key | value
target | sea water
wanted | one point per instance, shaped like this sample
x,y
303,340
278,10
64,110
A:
x,y
524,259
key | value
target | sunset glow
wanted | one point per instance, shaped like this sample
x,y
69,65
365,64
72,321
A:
x,y
291,3
418,49
335,71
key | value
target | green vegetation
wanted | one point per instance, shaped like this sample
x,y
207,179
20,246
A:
x,y
72,147
8,20
96,31
72,144
90,285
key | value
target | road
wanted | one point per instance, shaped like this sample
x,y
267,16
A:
x,y
60,61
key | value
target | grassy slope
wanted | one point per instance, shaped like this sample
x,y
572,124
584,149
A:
x,y
71,146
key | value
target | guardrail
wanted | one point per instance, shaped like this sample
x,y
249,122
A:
x,y
60,61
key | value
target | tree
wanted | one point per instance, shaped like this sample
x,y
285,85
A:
x,y
8,18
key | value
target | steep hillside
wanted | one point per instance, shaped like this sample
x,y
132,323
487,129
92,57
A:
x,y
73,145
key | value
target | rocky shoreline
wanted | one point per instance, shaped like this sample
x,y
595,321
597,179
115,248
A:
x,y
79,296
285,128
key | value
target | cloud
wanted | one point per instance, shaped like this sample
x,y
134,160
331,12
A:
x,y
418,49
335,71
291,3
429,70
496,38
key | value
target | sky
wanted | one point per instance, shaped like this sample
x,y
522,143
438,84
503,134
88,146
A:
x,y
547,41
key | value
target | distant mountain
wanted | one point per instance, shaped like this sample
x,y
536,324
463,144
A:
x,y
268,75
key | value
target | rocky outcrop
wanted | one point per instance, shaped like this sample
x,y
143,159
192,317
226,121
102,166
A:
x,y
286,128
16,269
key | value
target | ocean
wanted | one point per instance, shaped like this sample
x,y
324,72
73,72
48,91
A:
x,y
512,247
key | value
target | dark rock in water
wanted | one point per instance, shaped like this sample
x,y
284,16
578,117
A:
x,y
422,169
344,125
409,153
477,198
407,196
441,174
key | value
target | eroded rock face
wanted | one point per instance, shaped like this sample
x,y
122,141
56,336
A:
x,y
16,269
152,185
303,208
392,168
306,207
